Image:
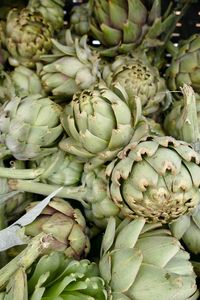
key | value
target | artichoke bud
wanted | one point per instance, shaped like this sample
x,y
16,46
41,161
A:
x,y
123,26
36,126
67,226
27,37
156,178
71,68
60,168
145,254
99,123
139,79
51,10
184,68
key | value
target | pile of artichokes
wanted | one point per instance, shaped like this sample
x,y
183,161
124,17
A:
x,y
99,151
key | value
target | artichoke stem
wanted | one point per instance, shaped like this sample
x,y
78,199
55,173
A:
x,y
30,186
35,248
20,173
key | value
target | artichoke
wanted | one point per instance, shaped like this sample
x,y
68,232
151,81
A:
x,y
71,68
79,19
26,82
145,262
60,168
55,276
187,229
139,79
99,123
22,82
66,224
184,68
122,26
155,177
30,126
27,37
51,10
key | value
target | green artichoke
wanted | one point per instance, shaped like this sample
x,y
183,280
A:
x,y
79,18
183,120
122,26
139,79
145,262
30,126
27,37
187,229
66,224
51,10
55,276
99,123
155,177
20,82
60,168
71,68
26,82
184,68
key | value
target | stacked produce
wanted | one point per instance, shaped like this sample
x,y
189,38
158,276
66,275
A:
x,y
99,152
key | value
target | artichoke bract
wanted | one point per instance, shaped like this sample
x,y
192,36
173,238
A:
x,y
187,229
99,123
184,68
30,126
157,178
71,68
121,26
139,79
27,37
55,276
145,262
51,10
67,226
